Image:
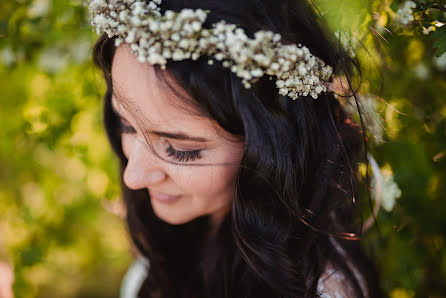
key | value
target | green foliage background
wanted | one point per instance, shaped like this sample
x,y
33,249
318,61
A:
x,y
61,224
57,172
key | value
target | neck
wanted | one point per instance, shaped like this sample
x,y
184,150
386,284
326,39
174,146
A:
x,y
215,221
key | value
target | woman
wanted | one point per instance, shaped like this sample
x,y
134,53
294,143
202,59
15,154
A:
x,y
232,188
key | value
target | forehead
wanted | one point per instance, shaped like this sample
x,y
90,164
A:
x,y
138,90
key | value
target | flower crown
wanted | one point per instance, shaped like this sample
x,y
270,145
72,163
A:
x,y
155,38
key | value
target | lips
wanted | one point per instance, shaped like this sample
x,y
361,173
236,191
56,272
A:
x,y
163,197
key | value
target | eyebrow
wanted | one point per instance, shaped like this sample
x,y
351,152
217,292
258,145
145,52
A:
x,y
180,136
171,135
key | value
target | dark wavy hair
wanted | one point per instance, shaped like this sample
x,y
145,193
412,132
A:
x,y
294,204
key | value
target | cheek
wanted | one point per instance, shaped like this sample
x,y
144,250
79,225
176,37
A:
x,y
209,184
212,189
209,179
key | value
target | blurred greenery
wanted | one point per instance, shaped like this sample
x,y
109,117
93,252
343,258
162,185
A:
x,y
60,210
61,221
404,65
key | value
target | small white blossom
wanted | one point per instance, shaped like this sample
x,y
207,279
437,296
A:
x,y
169,14
283,91
405,13
123,15
97,4
429,29
196,26
100,20
118,42
219,56
130,37
275,66
257,73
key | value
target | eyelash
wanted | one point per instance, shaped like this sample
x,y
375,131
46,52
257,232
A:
x,y
182,156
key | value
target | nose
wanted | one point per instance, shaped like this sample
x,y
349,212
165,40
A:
x,y
143,167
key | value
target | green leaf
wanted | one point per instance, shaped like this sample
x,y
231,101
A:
x,y
440,43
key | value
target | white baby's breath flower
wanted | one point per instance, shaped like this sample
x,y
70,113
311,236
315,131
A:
x,y
257,73
283,91
130,37
97,4
180,35
169,14
219,56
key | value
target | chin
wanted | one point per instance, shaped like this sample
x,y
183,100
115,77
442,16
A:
x,y
174,221
170,214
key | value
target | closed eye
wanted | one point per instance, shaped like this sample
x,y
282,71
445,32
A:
x,y
184,156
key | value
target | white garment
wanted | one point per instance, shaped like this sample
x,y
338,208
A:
x,y
333,284
133,279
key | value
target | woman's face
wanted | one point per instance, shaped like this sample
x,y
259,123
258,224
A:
x,y
180,189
